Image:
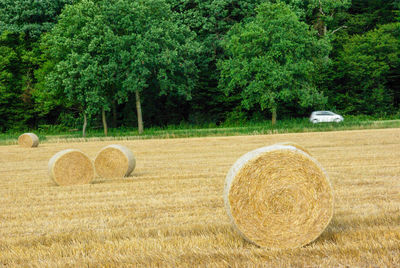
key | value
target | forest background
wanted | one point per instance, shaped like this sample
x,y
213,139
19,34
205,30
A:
x,y
77,64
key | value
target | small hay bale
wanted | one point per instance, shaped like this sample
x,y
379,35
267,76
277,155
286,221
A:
x,y
289,143
278,197
28,140
114,161
71,166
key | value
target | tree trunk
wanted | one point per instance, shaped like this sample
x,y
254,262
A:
x,y
114,111
139,112
103,117
273,120
321,26
84,125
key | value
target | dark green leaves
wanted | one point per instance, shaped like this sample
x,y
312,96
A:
x,y
106,50
30,17
272,60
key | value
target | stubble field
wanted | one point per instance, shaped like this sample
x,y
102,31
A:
x,y
170,211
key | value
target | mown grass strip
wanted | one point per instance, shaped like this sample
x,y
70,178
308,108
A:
x,y
251,128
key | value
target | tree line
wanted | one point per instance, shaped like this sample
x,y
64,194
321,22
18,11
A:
x,y
158,62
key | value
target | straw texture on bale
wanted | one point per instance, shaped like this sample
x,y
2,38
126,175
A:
x,y
298,146
278,197
114,161
71,166
28,140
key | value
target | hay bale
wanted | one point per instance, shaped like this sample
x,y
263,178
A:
x,y
28,140
114,161
278,197
289,143
71,166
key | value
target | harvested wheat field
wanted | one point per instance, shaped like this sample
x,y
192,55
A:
x,y
170,210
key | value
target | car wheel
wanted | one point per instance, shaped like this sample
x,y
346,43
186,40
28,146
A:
x,y
337,120
314,121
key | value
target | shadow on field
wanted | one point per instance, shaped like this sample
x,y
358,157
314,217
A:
x,y
131,178
345,226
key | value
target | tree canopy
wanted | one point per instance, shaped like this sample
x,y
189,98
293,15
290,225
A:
x,y
30,17
104,51
173,61
272,60
368,66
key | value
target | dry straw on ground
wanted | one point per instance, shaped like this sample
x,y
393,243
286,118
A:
x,y
114,161
278,197
71,166
174,216
296,145
28,140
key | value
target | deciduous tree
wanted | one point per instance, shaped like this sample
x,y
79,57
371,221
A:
x,y
271,60
106,50
368,69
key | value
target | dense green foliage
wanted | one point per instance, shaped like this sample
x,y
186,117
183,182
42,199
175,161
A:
x,y
370,65
105,51
272,60
30,17
364,77
60,59
15,105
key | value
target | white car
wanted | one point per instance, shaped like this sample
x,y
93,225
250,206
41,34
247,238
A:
x,y
325,116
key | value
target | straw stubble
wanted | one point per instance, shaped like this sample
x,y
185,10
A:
x,y
278,197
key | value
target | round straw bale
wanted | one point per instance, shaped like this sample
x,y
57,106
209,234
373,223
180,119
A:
x,y
278,197
114,161
298,146
70,167
28,140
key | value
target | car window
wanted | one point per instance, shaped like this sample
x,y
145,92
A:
x,y
326,113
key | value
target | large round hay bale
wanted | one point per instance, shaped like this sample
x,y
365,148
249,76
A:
x,y
28,140
278,197
71,166
114,161
298,146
